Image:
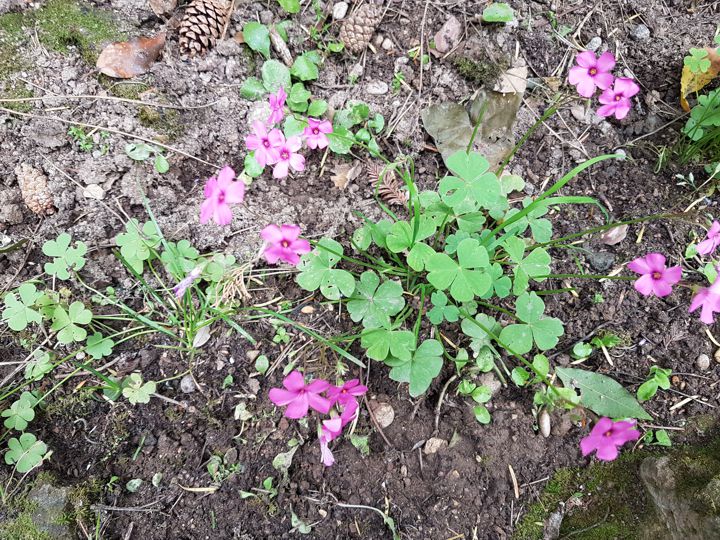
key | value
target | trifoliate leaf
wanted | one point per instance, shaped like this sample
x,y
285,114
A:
x,y
477,332
543,331
20,413
138,245
317,272
18,312
68,323
65,257
136,391
381,342
39,365
401,234
25,453
441,311
420,371
465,278
98,346
374,303
472,180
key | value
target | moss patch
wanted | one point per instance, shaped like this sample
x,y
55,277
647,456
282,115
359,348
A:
x,y
480,73
22,528
165,121
13,90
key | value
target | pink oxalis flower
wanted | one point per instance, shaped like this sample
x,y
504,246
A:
x,y
709,299
316,133
288,157
616,100
607,436
264,144
220,193
277,104
712,240
655,277
329,430
284,243
592,72
346,393
182,286
299,397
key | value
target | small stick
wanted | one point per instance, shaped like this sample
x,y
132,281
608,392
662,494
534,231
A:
x,y
516,488
377,425
109,98
438,407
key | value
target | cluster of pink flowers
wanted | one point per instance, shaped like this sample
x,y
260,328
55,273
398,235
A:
x,y
656,279
607,436
591,72
272,148
283,243
340,402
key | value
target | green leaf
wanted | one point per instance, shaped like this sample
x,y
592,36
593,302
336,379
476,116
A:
x,y
400,236
25,453
18,312
601,394
374,303
262,364
464,278
481,394
275,75
544,331
138,151
291,6
498,12
161,164
481,413
647,390
341,140
67,323
417,257
479,339
20,413
179,258
304,68
138,245
39,366
581,350
133,485
298,98
362,238
520,376
662,438
420,371
317,272
381,342
98,346
257,37
441,311
64,256
136,391
472,180
293,126
253,89
317,108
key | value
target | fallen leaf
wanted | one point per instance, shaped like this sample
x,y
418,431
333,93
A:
x,y
128,59
448,36
344,173
614,236
513,81
694,82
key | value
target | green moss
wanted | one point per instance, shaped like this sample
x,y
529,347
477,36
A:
x,y
22,528
13,90
71,405
164,121
11,35
483,73
122,89
82,496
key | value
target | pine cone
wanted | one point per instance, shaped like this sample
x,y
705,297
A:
x,y
202,25
34,188
357,29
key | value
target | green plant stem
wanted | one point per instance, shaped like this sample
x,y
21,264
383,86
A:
x,y
587,276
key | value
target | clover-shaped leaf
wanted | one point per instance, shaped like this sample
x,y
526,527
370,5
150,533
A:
x,y
65,257
137,245
543,331
21,412
39,365
25,453
257,37
180,258
441,311
18,312
136,391
540,227
215,269
698,60
67,323
418,256
98,346
401,233
472,180
421,369
374,303
501,284
535,265
465,277
478,332
316,271
381,342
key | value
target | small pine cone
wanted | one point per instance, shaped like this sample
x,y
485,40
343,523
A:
x,y
202,25
357,29
34,188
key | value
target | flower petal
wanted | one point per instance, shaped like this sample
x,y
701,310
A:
x,y
672,275
290,232
281,397
300,246
272,234
281,169
294,381
207,209
606,61
318,385
223,214
273,254
660,287
297,162
298,407
294,143
586,86
622,109
588,445
655,261
235,192
607,452
586,59
645,285
604,80
639,266
577,74
319,403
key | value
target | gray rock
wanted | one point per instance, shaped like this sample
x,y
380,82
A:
x,y
600,261
340,10
266,16
703,362
640,33
187,385
51,503
594,44
387,44
491,381
377,88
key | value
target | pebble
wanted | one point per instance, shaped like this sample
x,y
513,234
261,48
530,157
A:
x,y
703,362
594,44
377,88
378,41
252,354
434,445
601,261
717,356
640,33
266,16
491,381
387,44
187,385
383,412
93,191
340,10
544,423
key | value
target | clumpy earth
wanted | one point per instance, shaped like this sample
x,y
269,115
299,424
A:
x,y
456,482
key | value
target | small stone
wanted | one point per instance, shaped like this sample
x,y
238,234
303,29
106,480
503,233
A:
x,y
448,36
434,445
377,88
378,41
93,191
544,423
187,385
50,505
383,412
252,355
703,362
266,16
355,73
387,44
717,356
340,10
491,381
640,33
578,112
601,261
307,310
594,44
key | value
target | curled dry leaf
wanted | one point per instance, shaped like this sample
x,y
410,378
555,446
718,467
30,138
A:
x,y
694,82
128,59
344,173
391,190
614,236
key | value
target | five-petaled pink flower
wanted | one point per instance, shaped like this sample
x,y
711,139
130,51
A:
x,y
316,133
709,299
329,430
591,72
607,436
220,193
288,157
299,396
712,240
284,243
264,143
616,100
182,286
655,278
277,104
346,393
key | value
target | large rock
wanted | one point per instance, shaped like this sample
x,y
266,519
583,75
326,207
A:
x,y
51,504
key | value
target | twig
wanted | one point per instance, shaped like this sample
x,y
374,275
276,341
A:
x,y
377,424
109,98
438,407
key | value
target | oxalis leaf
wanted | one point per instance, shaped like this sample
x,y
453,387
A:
x,y
64,256
257,37
601,394
381,342
465,278
421,369
374,303
472,180
317,272
18,313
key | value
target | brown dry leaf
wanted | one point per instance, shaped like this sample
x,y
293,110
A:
x,y
128,59
694,82
344,173
391,190
614,236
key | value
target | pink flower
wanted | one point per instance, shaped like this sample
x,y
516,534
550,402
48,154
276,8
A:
x,y
709,299
264,144
616,100
288,157
182,286
712,240
284,244
655,277
350,411
346,393
315,133
277,104
220,193
607,436
299,396
591,72
330,430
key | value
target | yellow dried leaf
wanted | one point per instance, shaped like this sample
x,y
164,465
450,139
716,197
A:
x,y
694,82
345,173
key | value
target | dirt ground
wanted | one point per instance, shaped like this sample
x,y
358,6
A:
x,y
463,490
